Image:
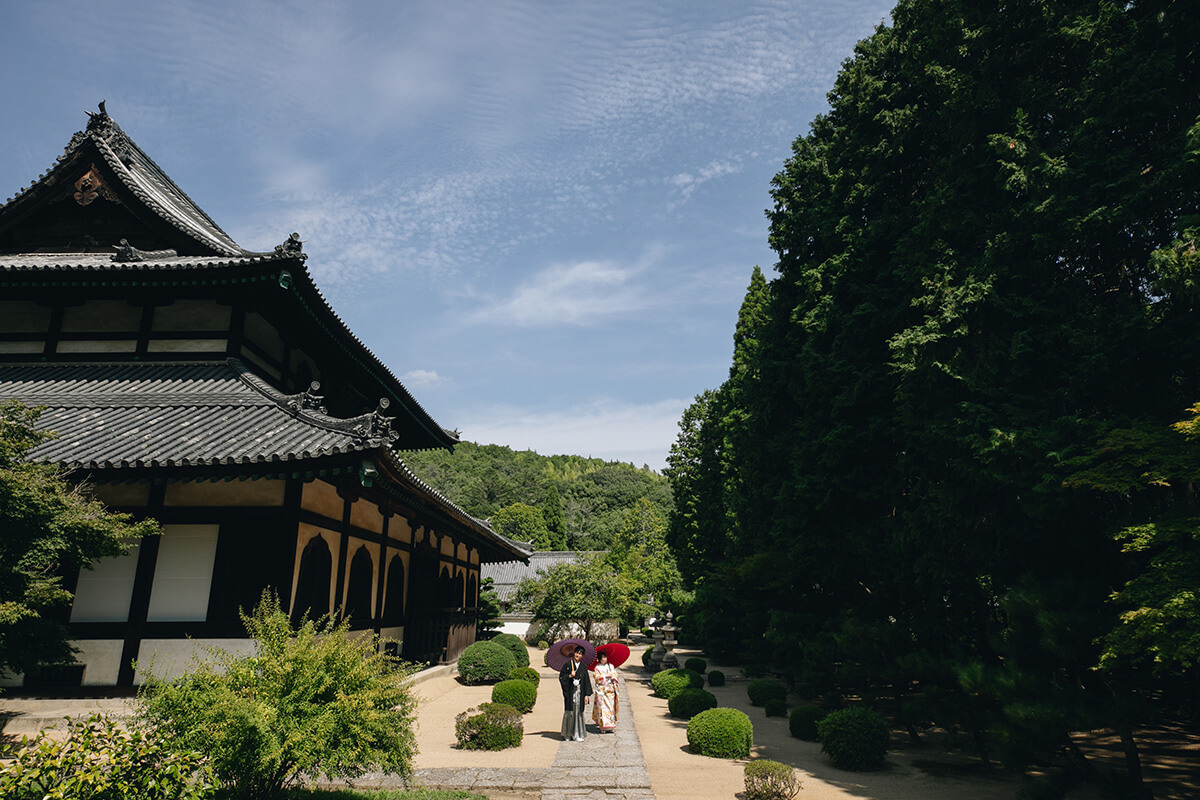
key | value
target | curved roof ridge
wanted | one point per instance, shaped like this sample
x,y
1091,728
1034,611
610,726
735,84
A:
x,y
119,150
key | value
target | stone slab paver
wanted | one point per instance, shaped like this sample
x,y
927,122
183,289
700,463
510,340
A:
x,y
604,766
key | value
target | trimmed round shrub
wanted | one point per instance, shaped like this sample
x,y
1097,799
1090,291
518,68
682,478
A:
x,y
770,780
696,665
721,733
776,708
519,694
646,656
802,721
648,633
761,690
543,645
516,646
855,739
485,662
669,681
489,726
687,703
716,678
525,674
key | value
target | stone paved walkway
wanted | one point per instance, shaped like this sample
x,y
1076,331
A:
x,y
607,766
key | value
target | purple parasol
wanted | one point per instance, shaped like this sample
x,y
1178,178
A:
x,y
561,650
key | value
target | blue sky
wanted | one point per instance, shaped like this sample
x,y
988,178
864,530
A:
x,y
541,215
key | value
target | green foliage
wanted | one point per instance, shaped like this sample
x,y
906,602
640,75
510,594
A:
x,y
594,496
687,703
716,678
520,694
556,522
489,608
646,656
580,593
97,760
485,662
762,690
802,722
525,674
490,726
50,528
315,701
543,645
696,665
775,707
639,554
524,523
721,733
516,645
770,780
958,384
855,739
668,682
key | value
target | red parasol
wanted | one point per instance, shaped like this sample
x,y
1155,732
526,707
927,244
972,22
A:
x,y
618,654
560,651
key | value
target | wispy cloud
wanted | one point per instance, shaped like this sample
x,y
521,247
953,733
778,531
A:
x,y
421,379
615,431
581,293
686,182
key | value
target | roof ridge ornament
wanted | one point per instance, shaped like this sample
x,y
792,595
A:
x,y
127,253
105,128
308,400
292,247
377,425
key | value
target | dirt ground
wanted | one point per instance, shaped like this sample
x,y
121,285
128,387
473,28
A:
x,y
1171,760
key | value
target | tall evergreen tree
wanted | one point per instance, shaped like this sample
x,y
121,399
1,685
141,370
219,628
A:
x,y
969,299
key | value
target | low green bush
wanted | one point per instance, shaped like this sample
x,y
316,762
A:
x,y
854,738
98,760
721,733
770,780
307,702
648,633
519,694
490,726
543,645
761,690
716,678
515,645
802,721
776,708
696,664
669,681
687,703
486,662
646,656
525,674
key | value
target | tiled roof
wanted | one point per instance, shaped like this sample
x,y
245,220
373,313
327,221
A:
x,y
74,262
110,416
506,575
126,416
138,172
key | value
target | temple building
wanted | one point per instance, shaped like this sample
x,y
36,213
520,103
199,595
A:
x,y
215,390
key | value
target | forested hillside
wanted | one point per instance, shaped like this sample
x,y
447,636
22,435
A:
x,y
557,502
953,465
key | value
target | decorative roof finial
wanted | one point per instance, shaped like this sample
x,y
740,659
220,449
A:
x,y
293,247
103,110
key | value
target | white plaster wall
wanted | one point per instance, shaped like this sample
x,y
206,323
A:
x,y
101,659
170,658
